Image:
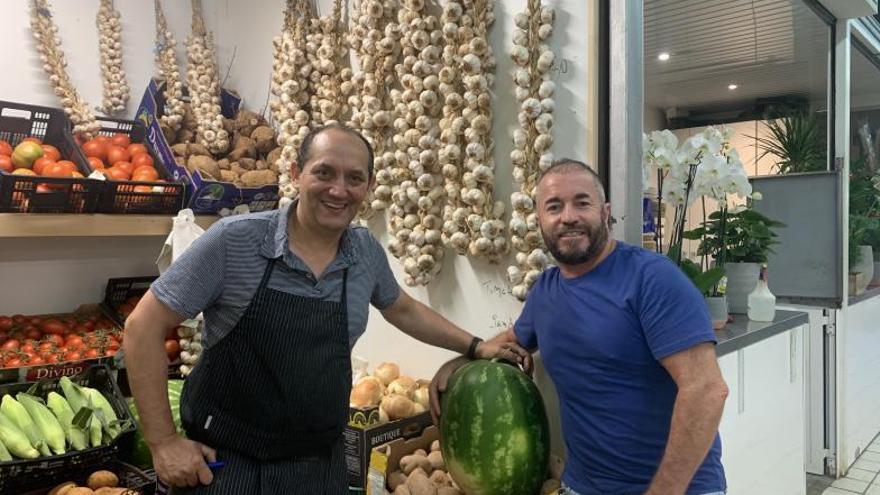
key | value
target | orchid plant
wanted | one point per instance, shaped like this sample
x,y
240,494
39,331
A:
x,y
705,165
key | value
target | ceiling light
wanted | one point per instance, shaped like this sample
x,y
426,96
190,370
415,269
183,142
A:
x,y
663,57
732,86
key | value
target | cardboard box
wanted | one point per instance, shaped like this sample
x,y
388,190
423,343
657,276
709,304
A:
x,y
204,195
363,434
385,459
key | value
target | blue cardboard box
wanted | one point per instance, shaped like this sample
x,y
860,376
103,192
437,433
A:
x,y
204,196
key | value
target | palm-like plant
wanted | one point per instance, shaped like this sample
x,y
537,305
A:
x,y
797,140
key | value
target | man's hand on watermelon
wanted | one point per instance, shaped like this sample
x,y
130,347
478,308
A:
x,y
502,346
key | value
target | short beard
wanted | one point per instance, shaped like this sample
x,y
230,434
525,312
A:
x,y
598,238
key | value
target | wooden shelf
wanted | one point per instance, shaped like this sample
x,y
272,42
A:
x,y
89,225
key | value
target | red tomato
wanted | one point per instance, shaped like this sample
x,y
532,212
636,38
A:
x,y
172,349
92,354
28,348
10,345
36,361
95,148
96,163
12,362
141,160
73,356
114,173
41,163
34,333
46,346
36,320
74,341
121,140
5,323
89,325
6,164
137,149
53,327
110,352
5,148
145,173
58,340
127,166
117,154
19,319
51,151
51,358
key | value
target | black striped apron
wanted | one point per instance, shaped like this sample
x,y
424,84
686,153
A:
x,y
272,397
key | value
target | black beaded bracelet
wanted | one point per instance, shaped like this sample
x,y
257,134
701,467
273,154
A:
x,y
472,349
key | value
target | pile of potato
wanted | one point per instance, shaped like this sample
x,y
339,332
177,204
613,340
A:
x,y
251,161
422,473
99,483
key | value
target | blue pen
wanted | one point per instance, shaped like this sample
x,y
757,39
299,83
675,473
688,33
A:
x,y
216,464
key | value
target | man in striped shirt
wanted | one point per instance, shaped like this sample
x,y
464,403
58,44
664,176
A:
x,y
285,295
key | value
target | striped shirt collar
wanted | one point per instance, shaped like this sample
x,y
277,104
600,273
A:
x,y
275,242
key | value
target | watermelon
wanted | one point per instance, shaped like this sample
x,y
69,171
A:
x,y
494,432
140,454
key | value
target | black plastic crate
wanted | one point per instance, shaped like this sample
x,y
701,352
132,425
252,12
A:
x,y
122,196
19,476
143,482
35,194
120,289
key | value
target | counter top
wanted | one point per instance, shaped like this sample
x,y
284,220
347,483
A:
x,y
742,332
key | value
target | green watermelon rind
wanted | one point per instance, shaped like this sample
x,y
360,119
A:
x,y
140,454
494,430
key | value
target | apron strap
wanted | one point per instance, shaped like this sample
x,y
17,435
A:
x,y
267,273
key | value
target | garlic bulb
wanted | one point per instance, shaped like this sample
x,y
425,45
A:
x,y
166,70
190,345
532,141
467,128
375,38
291,91
116,90
54,64
325,50
204,85
418,188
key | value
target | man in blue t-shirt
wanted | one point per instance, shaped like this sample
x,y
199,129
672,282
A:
x,y
627,340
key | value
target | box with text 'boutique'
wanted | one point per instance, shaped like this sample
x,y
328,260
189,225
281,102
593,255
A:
x,y
365,432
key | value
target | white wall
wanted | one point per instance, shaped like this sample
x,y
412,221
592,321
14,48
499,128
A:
x,y
25,81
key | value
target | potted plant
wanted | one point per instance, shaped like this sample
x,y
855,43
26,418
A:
x,y
797,141
743,239
864,212
705,165
861,257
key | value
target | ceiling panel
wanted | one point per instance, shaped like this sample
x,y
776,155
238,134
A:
x,y
768,48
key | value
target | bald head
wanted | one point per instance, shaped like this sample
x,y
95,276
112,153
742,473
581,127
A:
x,y
570,165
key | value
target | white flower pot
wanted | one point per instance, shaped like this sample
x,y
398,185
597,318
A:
x,y
865,267
742,278
717,311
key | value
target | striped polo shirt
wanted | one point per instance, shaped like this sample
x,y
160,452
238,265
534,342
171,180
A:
x,y
220,272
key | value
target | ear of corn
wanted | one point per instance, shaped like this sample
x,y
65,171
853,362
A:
x,y
19,415
15,440
105,411
62,411
4,454
46,422
78,399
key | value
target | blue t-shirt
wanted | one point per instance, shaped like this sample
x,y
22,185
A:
x,y
601,336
